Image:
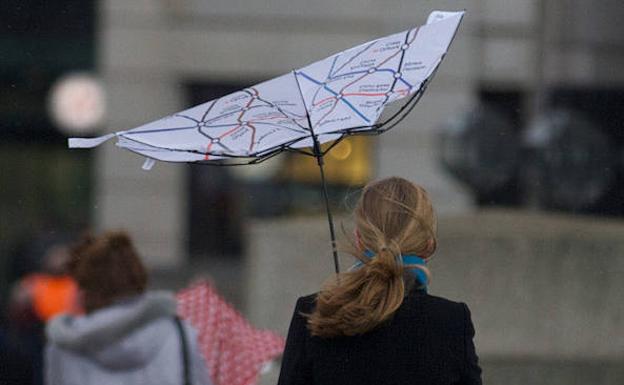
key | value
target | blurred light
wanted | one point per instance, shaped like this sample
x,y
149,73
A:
x,y
342,150
77,104
349,163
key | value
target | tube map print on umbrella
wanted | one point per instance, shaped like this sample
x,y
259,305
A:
x,y
324,101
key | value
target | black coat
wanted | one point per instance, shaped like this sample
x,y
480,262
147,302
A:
x,y
427,341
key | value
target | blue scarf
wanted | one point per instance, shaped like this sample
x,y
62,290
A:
x,y
420,275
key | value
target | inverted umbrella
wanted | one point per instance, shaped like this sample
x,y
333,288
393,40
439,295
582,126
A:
x,y
326,101
234,350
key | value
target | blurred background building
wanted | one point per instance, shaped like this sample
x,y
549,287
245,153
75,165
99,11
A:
x,y
525,114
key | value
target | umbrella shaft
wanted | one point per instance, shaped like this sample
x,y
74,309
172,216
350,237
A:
x,y
332,233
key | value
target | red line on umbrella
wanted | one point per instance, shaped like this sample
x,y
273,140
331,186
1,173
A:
x,y
323,100
220,137
229,131
328,112
253,136
364,94
263,119
251,99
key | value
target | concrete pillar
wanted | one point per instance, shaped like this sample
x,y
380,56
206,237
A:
x,y
135,66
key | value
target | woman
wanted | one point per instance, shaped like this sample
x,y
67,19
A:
x,y
127,336
376,324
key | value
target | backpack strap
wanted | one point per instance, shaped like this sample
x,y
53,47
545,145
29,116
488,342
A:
x,y
184,348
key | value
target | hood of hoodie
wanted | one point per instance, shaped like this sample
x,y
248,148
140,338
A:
x,y
123,336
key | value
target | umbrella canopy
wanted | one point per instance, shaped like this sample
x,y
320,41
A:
x,y
234,350
341,95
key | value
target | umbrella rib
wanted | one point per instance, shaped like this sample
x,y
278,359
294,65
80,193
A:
x,y
353,58
208,109
287,114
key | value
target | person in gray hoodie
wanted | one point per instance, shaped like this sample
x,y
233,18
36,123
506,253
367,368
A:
x,y
127,335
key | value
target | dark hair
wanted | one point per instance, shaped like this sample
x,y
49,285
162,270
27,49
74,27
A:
x,y
107,268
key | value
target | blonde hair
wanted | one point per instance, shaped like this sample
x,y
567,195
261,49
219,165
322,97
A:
x,y
393,217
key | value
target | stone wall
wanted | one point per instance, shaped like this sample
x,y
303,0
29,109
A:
x,y
545,291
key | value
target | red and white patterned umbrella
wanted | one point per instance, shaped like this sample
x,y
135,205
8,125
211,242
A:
x,y
235,351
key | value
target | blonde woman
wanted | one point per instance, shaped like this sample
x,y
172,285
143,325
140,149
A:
x,y
376,324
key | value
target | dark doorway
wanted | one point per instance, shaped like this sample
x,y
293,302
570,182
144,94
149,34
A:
x,y
215,197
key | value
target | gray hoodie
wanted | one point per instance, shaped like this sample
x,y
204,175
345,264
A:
x,y
132,342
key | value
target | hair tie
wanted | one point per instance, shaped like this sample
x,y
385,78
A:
x,y
408,259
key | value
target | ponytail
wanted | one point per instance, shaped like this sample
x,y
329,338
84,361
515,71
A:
x,y
358,301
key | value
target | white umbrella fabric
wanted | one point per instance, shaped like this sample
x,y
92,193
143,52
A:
x,y
325,101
